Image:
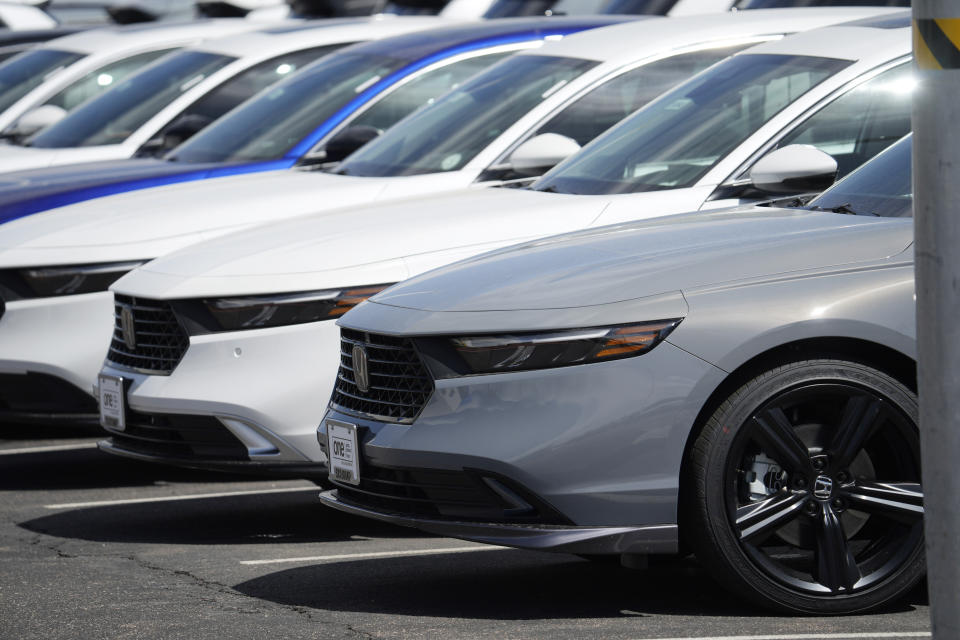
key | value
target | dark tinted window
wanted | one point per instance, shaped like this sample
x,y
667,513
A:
x,y
883,186
274,121
677,139
23,73
611,102
112,117
452,131
862,122
102,79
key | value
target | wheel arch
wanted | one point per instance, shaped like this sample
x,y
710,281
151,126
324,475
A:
x,y
880,356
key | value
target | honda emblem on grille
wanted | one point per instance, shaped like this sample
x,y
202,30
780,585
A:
x,y
361,368
823,488
127,327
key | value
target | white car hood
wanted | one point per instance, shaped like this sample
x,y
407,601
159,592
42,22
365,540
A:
x,y
152,222
371,245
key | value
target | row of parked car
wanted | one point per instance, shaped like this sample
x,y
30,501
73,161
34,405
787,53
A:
x,y
449,271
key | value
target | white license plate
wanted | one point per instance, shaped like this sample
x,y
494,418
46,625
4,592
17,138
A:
x,y
113,414
343,455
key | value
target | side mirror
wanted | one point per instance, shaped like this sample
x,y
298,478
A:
x,y
798,168
347,141
36,119
542,152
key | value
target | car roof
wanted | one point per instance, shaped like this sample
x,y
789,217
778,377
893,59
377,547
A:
x,y
416,46
269,41
634,40
866,41
144,35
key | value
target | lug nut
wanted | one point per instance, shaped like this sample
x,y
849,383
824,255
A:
x,y
842,477
818,464
800,482
838,503
810,508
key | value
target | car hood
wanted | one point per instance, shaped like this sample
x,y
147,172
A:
x,y
629,261
14,158
151,222
31,191
370,245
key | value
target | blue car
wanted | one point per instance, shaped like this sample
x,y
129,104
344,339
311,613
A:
x,y
320,115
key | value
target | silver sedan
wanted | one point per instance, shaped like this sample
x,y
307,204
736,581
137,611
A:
x,y
740,383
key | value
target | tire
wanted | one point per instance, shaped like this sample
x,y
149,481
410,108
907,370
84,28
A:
x,y
783,485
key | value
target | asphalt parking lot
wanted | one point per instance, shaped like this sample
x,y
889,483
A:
x,y
97,547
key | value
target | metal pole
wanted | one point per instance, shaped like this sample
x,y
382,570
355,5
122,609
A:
x,y
936,188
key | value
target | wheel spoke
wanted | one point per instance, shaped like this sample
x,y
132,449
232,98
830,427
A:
x,y
775,435
836,566
901,501
861,417
760,518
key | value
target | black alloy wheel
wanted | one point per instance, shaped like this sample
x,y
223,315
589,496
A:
x,y
805,489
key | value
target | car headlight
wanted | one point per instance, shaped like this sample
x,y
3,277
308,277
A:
x,y
257,312
526,351
45,282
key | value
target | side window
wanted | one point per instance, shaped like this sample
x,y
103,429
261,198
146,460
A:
x,y
604,106
862,122
99,80
423,90
247,83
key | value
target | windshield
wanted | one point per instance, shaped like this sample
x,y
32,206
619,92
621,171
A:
x,y
513,8
100,79
775,4
272,123
452,131
24,73
112,117
677,139
882,187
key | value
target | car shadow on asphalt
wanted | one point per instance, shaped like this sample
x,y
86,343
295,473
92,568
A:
x,y
508,585
90,468
249,519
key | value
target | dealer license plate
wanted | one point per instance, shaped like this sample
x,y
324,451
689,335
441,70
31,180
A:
x,y
342,452
113,414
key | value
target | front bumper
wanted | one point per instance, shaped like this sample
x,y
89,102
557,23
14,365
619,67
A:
x,y
584,459
257,394
51,350
651,539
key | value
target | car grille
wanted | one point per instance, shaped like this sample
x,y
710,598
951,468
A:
x,y
178,437
160,341
443,495
399,383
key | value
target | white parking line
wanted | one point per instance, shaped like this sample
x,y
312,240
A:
x,y
814,636
379,554
50,447
195,496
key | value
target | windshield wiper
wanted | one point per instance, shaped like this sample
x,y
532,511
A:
x,y
845,208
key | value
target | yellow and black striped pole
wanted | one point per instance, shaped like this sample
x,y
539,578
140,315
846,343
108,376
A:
x,y
936,188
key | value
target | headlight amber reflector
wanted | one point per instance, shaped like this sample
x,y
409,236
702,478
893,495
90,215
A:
x,y
256,312
518,352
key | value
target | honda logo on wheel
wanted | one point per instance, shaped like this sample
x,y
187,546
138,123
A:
x,y
127,327
361,368
823,487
